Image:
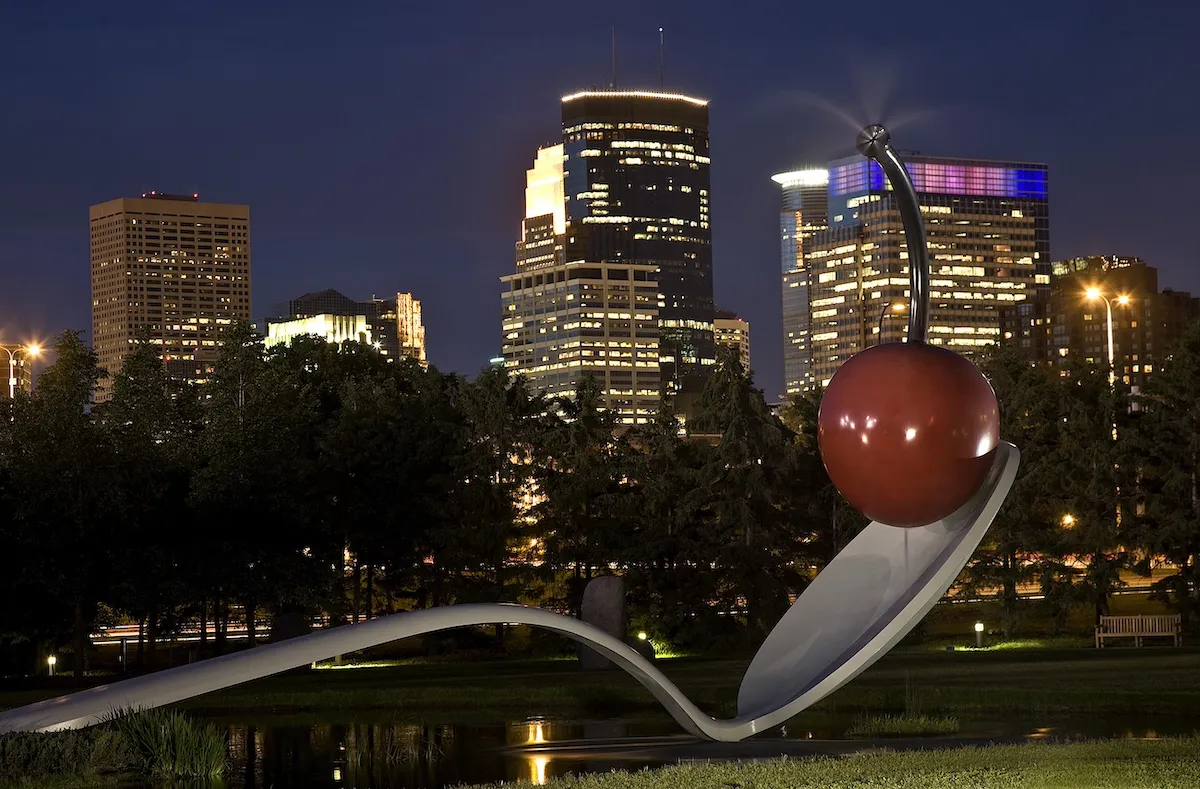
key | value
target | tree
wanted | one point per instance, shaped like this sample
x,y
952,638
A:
x,y
256,458
671,574
1088,481
152,423
61,474
578,482
761,531
1029,418
836,521
1166,443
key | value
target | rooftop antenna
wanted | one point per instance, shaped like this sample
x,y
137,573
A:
x,y
661,61
613,85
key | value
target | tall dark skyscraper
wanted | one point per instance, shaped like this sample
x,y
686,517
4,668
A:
x,y
637,192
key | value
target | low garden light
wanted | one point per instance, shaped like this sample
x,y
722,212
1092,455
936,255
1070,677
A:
x,y
51,662
979,635
642,636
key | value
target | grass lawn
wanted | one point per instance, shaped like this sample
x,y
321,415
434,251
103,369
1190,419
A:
x,y
966,684
1127,764
1002,682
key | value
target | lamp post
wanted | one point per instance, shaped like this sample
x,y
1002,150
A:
x,y
30,352
894,307
1123,300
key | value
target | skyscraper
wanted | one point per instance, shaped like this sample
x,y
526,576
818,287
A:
x,y
614,263
563,320
803,213
733,331
392,325
987,225
174,267
637,191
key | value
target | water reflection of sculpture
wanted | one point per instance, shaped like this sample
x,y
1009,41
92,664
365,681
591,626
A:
x,y
908,433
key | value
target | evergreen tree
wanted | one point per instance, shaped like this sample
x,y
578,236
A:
x,y
1029,418
577,484
758,527
1165,446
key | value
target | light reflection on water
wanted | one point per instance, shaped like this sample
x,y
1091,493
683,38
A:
x,y
397,754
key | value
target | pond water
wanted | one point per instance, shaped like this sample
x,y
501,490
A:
x,y
381,753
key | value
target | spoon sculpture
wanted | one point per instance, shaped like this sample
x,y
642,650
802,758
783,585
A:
x,y
931,463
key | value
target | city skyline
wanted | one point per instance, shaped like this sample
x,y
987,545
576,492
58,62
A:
x,y
291,163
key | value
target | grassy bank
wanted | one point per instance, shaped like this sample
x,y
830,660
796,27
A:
x,y
964,684
1128,764
159,744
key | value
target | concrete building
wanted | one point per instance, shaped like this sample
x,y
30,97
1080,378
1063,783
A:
x,y
1067,326
393,326
174,267
565,322
734,331
987,225
804,211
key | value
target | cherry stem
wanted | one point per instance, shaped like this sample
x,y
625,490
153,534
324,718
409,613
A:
x,y
874,142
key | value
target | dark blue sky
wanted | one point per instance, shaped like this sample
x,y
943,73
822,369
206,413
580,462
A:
x,y
381,145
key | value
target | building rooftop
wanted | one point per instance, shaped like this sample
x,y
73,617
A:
x,y
192,198
633,94
813,176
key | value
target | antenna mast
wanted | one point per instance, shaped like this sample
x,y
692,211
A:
x,y
613,84
661,61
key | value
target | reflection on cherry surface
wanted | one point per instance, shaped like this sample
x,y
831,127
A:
x,y
907,432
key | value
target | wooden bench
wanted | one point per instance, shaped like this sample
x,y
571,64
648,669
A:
x,y
1139,627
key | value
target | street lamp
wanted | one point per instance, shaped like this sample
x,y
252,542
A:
x,y
51,662
1068,521
1123,300
894,307
30,352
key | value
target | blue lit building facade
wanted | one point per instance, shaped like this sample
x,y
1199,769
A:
x,y
987,225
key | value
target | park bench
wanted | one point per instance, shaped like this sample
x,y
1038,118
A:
x,y
1139,627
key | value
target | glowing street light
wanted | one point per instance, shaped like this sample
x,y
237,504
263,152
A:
x,y
51,662
31,351
642,636
1093,294
1068,521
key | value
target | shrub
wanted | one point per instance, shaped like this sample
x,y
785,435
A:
x,y
29,756
167,744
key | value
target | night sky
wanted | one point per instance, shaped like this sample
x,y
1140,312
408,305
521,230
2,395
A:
x,y
382,146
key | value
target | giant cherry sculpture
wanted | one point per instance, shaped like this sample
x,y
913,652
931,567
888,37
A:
x,y
908,430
